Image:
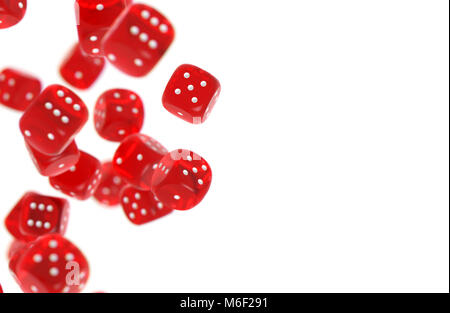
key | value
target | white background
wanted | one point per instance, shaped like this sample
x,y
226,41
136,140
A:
x,y
329,149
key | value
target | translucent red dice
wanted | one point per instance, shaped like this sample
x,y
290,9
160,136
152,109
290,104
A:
x,y
118,114
94,18
141,206
81,70
11,12
191,94
110,186
136,159
51,122
181,179
138,39
52,165
81,180
36,215
51,264
18,89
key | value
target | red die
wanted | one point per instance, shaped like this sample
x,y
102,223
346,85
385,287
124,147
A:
x,y
191,94
108,190
94,18
136,158
51,122
35,215
51,264
52,165
11,12
138,39
142,206
15,246
181,180
118,114
18,89
81,180
81,70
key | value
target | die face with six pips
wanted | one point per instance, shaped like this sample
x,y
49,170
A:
x,y
51,122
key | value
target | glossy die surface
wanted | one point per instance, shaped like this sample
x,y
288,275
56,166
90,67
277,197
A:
x,y
51,122
141,206
138,39
81,179
18,89
110,186
81,70
136,159
181,179
191,94
118,114
94,18
52,165
51,264
35,215
11,12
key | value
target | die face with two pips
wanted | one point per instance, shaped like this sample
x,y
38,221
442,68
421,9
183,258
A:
x,y
51,264
81,180
36,215
81,70
136,159
191,94
51,122
118,113
138,39
18,89
94,18
181,179
11,12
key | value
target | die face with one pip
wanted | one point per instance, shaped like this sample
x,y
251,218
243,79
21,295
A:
x,y
191,94
138,39
136,159
36,215
51,122
81,70
18,89
81,180
52,165
181,180
118,113
94,18
11,12
51,264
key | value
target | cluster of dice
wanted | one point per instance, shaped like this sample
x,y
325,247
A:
x,y
147,180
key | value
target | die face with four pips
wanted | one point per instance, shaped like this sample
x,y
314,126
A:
x,y
51,122
18,89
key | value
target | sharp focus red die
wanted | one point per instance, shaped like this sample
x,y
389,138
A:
x,y
94,18
141,206
51,264
181,179
136,158
52,165
35,215
18,89
118,114
81,180
191,94
110,186
11,12
138,39
51,122
81,70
